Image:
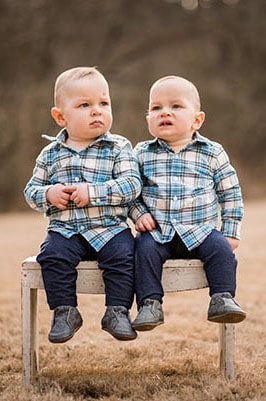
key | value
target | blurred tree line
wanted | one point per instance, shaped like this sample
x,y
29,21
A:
x,y
218,44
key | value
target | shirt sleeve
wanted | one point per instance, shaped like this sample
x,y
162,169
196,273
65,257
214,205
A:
x,y
137,209
229,196
125,185
36,188
138,206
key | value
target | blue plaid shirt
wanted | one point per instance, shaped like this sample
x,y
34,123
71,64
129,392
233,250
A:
x,y
181,190
111,170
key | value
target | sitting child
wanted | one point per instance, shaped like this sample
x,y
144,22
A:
x,y
84,181
184,175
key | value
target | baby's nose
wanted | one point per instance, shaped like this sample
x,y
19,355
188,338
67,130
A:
x,y
165,111
95,110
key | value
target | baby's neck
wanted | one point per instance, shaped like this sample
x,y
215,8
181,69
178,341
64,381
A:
x,y
77,145
180,144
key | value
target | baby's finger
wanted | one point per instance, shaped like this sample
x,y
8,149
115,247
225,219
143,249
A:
x,y
148,226
69,189
140,226
73,196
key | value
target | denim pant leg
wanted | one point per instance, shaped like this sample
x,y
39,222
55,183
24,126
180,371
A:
x,y
149,259
116,259
58,258
219,263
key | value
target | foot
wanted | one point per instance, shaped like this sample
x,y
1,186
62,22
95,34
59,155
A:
x,y
150,315
66,321
116,321
224,309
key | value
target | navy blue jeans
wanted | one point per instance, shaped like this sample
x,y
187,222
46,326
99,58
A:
x,y
59,257
215,252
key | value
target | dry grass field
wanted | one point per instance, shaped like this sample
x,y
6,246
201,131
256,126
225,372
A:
x,y
176,361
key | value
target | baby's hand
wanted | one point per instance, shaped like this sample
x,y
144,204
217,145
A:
x,y
145,223
79,194
233,242
58,196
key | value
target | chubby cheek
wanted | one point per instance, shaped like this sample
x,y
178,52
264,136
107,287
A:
x,y
109,122
152,127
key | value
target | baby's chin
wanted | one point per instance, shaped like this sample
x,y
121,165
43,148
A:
x,y
157,135
164,136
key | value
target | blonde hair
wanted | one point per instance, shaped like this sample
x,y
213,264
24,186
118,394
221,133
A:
x,y
72,74
193,90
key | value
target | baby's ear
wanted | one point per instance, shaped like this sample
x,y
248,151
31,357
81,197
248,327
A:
x,y
199,120
147,117
58,116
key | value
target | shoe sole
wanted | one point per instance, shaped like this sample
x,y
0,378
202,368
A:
x,y
120,337
232,317
146,326
63,339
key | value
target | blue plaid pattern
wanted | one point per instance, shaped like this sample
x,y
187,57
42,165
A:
x,y
181,190
111,170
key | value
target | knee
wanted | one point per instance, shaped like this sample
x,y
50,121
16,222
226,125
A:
x,y
218,240
217,245
144,240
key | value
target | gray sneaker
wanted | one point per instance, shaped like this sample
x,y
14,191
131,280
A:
x,y
66,321
116,321
149,316
224,309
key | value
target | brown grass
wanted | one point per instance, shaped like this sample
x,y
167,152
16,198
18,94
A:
x,y
177,361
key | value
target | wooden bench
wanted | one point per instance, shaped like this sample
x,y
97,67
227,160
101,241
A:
x,y
178,275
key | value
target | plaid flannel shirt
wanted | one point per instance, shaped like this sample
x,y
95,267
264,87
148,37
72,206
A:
x,y
111,170
181,190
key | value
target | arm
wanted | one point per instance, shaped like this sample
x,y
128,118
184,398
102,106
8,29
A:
x,y
139,214
37,187
125,185
229,197
138,211
40,192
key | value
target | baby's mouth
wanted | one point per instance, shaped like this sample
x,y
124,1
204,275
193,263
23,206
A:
x,y
165,123
96,123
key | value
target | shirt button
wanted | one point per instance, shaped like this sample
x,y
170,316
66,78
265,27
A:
x,y
174,221
175,198
98,200
82,227
76,179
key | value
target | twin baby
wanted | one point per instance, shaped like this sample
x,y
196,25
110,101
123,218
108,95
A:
x,y
89,181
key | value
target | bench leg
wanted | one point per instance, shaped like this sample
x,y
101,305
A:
x,y
227,350
30,346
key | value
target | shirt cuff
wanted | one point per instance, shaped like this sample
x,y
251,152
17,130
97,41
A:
x,y
231,228
137,211
97,194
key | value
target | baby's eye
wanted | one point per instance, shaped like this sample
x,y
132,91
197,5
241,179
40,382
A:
x,y
176,106
104,103
155,108
84,105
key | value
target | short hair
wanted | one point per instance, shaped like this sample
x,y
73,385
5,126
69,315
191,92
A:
x,y
190,85
72,74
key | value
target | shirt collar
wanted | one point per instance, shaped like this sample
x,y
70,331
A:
x,y
196,138
62,136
